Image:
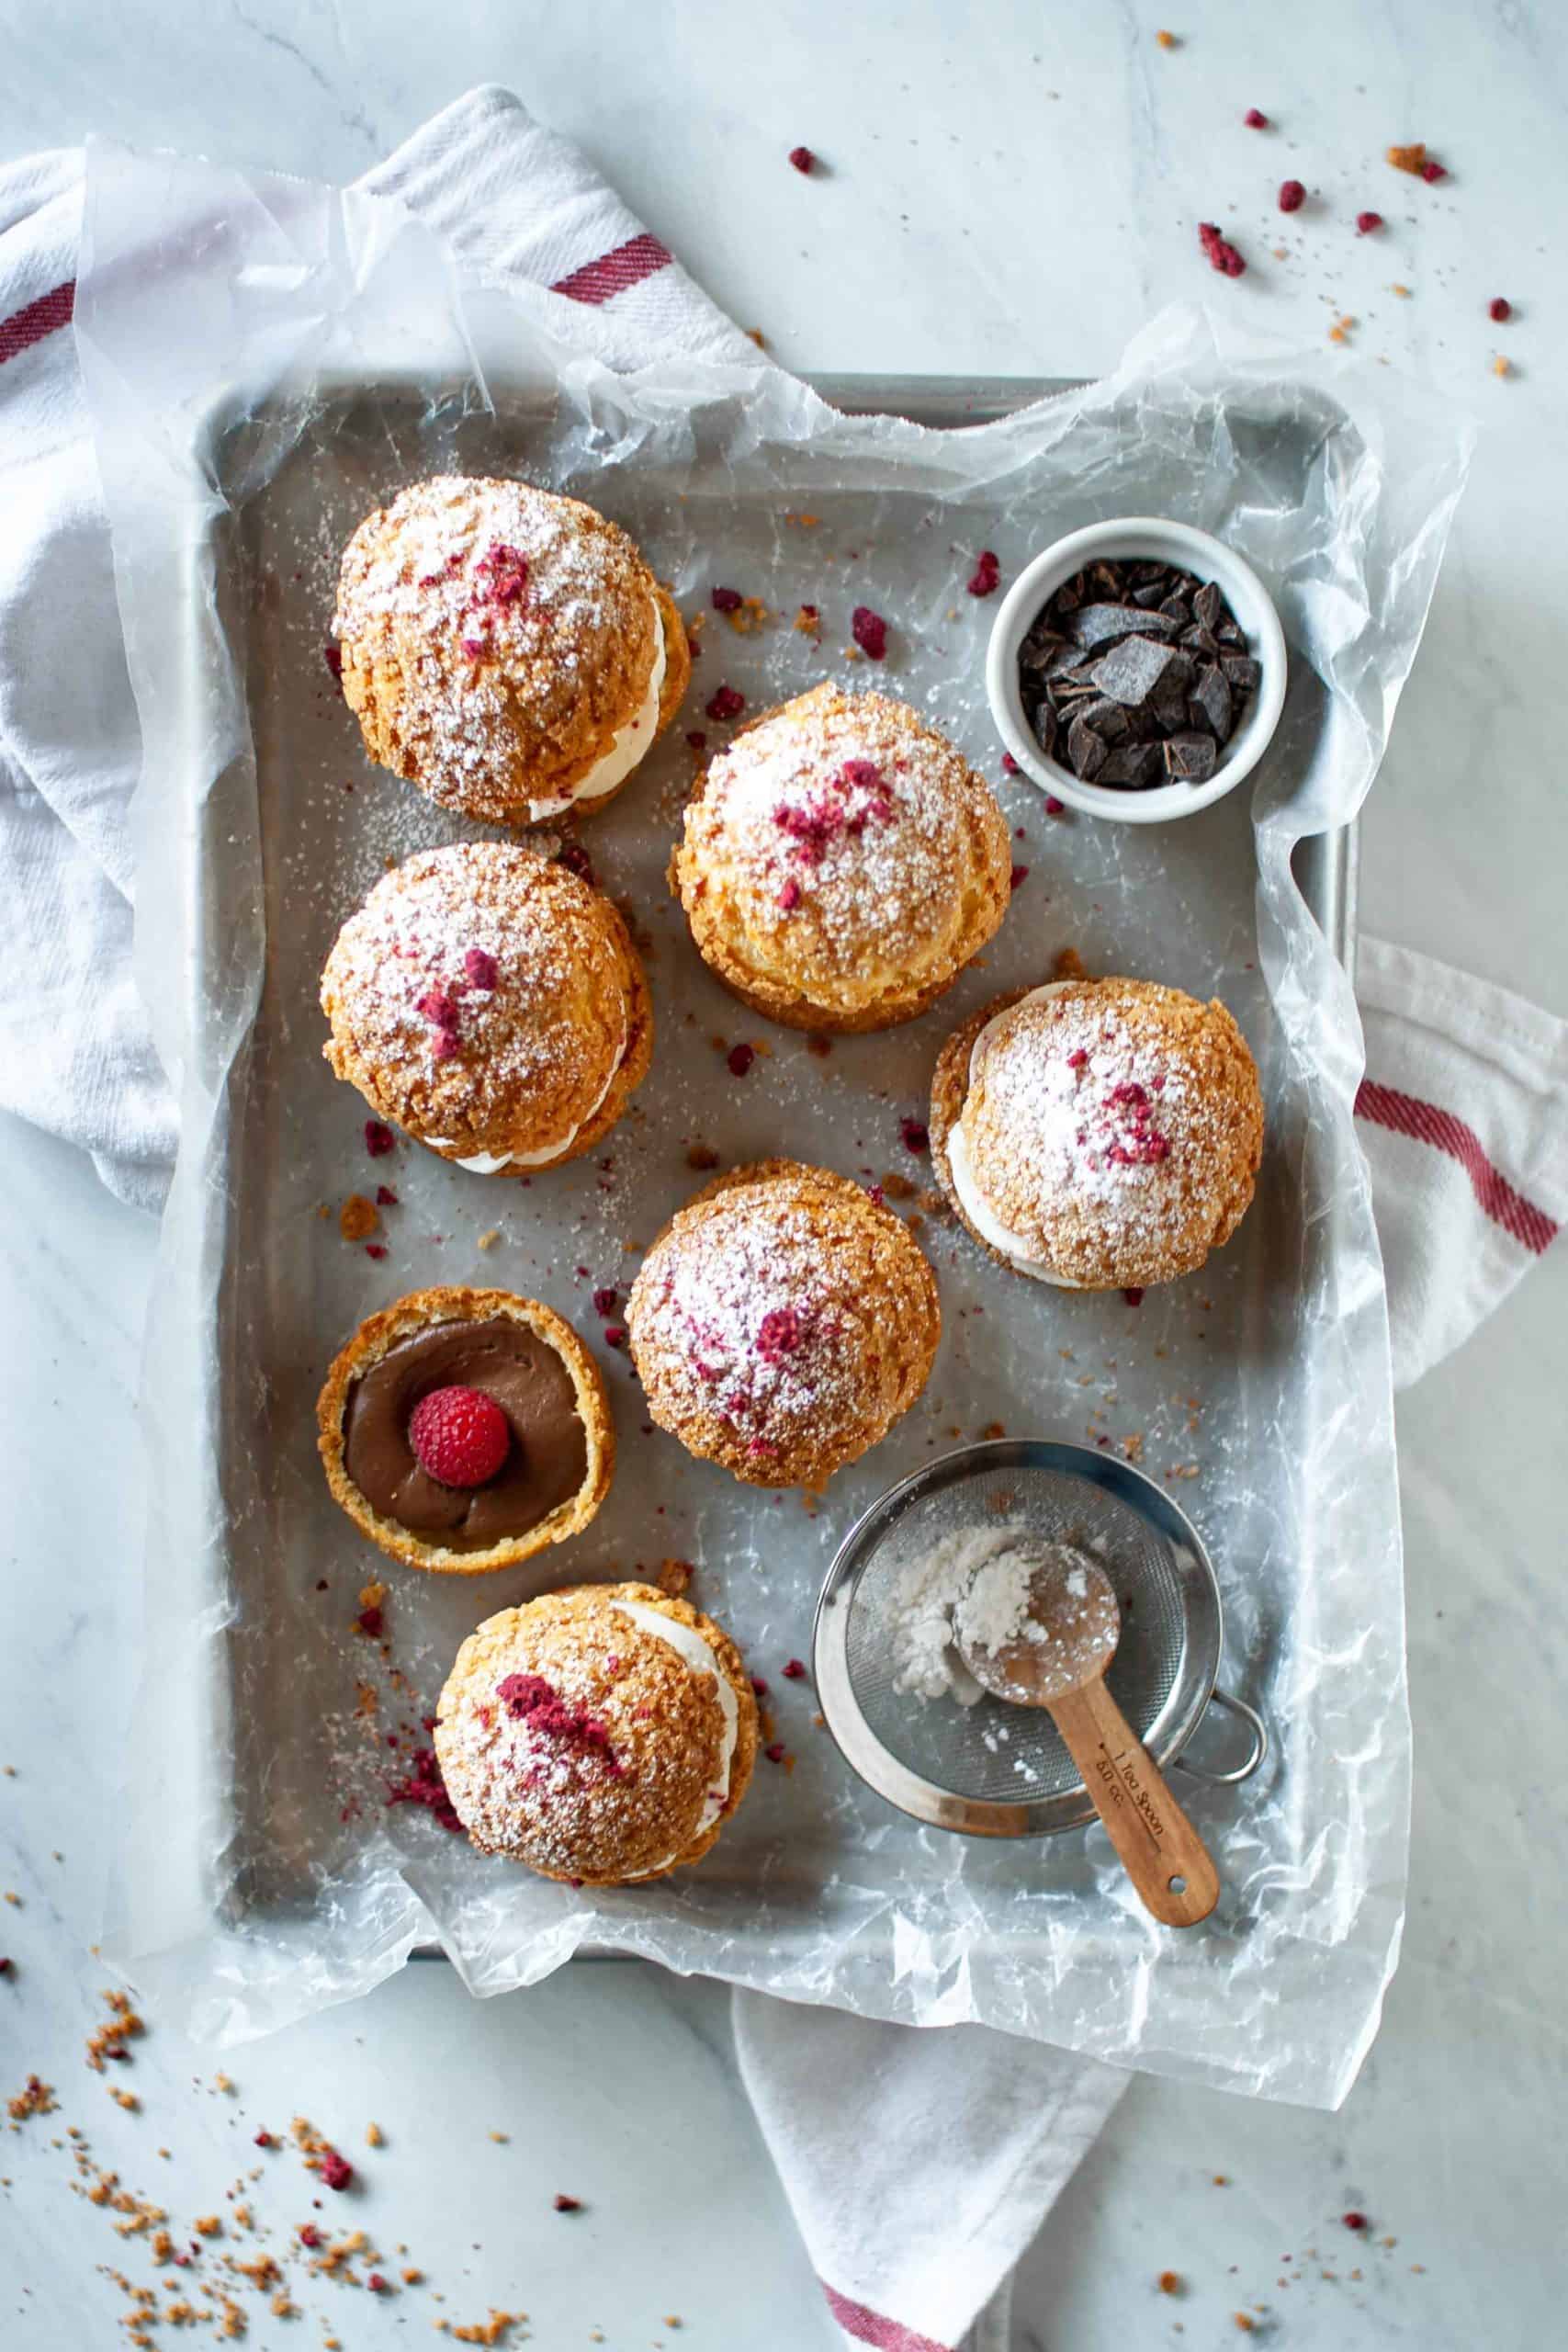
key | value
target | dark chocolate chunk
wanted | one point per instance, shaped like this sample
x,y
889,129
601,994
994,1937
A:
x,y
1178,612
1132,670
1133,764
1153,594
1107,717
1210,702
1198,639
1192,759
1207,605
1231,637
1085,751
1242,673
1045,722
1099,623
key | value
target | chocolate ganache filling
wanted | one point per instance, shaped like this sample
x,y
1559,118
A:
x,y
506,1361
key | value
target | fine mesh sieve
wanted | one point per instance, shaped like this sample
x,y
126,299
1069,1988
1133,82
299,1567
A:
x,y
990,1768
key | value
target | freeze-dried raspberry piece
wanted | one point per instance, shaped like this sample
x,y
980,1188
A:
x,y
789,895
803,159
915,1135
727,599
1368,222
1222,255
378,1138
739,1059
726,704
1293,196
779,1334
985,577
869,631
479,969
1500,308
1255,119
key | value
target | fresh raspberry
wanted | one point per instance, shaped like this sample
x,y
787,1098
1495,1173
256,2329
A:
x,y
726,704
378,1138
727,599
460,1437
985,576
1367,223
479,969
869,631
1500,310
1255,119
1293,196
803,159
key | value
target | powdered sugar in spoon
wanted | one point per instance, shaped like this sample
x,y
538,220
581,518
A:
x,y
1038,1627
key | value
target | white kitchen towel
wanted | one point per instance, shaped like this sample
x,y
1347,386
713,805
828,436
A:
x,y
918,2165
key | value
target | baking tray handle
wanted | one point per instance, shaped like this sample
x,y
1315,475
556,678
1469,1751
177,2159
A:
x,y
1250,1762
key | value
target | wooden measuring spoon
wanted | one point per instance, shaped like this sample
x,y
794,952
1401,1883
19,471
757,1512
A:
x,y
1037,1627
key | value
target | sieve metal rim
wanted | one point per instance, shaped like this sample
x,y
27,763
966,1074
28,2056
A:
x,y
911,1791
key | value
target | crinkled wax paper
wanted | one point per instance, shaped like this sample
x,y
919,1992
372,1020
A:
x,y
265,361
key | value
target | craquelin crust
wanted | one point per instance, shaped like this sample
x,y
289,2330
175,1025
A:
x,y
782,1239
495,639
455,1303
868,926
561,1041
1203,1189
663,1720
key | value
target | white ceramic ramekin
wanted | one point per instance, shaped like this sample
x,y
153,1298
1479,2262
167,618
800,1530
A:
x,y
1134,539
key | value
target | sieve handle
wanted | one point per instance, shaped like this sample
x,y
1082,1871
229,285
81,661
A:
x,y
1161,1852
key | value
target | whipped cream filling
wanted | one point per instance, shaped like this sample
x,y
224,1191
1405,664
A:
x,y
697,1651
966,1184
490,1163
627,747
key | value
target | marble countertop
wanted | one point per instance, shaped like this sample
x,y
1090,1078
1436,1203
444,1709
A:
x,y
1012,189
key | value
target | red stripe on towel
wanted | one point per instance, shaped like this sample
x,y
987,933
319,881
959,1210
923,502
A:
x,y
46,316
1407,1115
628,265
870,2327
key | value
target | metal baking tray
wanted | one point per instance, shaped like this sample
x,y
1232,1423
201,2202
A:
x,y
312,1752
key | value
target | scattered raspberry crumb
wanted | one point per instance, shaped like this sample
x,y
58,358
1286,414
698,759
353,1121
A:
x,y
759,1686
309,2235
803,159
795,1671
776,1753
1354,2221
914,1135
697,739
377,1249
606,1301
1222,254
869,631
378,1138
727,599
335,2171
264,2139
985,577
1500,308
372,1621
789,895
1255,119
1019,874
1432,171
1134,1295
726,704
739,1059
567,2204
425,1787
701,1155
332,654
385,1197
614,1335
1055,807
1366,223
575,860
378,2284
1293,196
808,622
479,969
5,1965
1415,159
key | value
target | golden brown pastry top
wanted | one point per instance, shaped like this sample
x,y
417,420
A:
x,y
841,853
1113,1127
494,639
782,1322
484,998
574,1739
